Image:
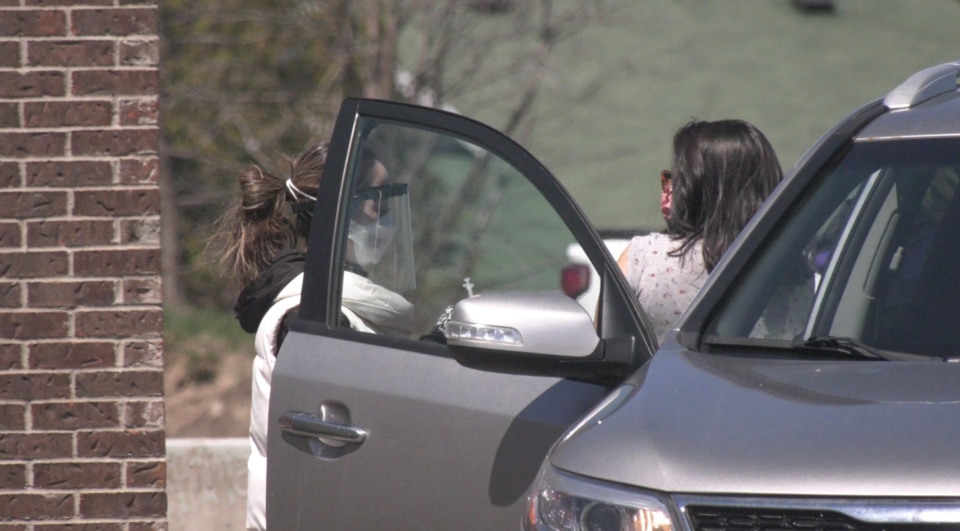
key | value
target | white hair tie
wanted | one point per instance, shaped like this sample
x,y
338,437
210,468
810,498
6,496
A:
x,y
298,193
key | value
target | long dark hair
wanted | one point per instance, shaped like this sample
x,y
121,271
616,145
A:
x,y
269,217
722,172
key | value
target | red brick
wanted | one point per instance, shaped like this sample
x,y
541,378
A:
x,y
10,54
33,325
10,235
33,264
118,203
70,294
131,443
10,295
143,354
69,233
99,526
34,386
149,474
140,53
31,84
33,23
137,291
67,113
9,115
119,324
33,204
118,22
133,262
69,174
140,231
146,414
36,506
20,145
72,355
140,171
115,143
123,505
12,418
116,82
10,357
29,446
138,112
13,477
69,3
70,53
102,384
74,415
9,175
77,475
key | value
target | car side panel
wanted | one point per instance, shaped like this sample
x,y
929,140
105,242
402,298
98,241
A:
x,y
447,447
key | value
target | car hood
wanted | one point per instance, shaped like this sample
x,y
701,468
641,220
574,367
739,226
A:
x,y
708,423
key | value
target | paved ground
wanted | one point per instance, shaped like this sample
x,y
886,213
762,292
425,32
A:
x,y
665,61
207,484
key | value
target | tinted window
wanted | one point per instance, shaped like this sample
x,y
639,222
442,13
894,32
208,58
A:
x,y
871,252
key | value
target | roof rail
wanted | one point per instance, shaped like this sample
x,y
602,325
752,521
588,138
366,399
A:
x,y
924,85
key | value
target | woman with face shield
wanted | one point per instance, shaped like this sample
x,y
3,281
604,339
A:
x,y
261,244
379,241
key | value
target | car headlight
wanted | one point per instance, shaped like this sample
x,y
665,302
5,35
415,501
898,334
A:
x,y
562,502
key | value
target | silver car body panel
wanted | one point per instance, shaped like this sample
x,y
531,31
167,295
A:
x,y
548,323
935,118
718,424
924,85
446,444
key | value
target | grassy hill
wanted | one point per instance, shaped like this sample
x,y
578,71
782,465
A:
x,y
606,118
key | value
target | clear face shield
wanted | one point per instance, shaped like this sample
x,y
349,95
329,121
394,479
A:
x,y
381,239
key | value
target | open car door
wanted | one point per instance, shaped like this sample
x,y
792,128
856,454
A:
x,y
435,359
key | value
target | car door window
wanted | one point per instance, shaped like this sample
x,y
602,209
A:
x,y
432,220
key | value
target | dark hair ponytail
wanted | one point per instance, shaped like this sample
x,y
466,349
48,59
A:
x,y
260,226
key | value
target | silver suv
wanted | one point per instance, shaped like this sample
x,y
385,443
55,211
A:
x,y
814,384
811,385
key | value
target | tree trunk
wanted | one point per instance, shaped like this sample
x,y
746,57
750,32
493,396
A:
x,y
169,236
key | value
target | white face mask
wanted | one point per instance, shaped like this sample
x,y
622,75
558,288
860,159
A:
x,y
371,241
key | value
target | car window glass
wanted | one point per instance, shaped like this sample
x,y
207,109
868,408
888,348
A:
x,y
867,254
433,219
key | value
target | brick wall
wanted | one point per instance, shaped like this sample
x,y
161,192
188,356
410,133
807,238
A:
x,y
81,394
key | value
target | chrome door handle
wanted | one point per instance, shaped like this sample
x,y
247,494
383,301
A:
x,y
306,425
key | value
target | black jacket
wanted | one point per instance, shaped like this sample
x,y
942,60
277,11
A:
x,y
258,296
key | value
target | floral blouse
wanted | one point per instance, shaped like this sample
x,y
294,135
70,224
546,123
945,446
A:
x,y
665,285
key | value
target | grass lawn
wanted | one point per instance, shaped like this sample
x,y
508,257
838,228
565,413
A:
x,y
617,94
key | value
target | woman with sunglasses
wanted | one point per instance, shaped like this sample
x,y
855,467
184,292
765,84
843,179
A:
x,y
261,247
722,172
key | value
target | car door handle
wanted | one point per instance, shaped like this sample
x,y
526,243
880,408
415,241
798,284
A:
x,y
306,425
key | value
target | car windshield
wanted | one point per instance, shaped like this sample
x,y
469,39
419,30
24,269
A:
x,y
870,254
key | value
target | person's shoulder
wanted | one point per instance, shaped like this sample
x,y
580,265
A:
x,y
643,250
653,240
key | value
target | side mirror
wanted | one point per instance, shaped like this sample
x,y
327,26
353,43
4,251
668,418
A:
x,y
536,333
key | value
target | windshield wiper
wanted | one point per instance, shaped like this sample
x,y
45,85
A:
x,y
843,346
